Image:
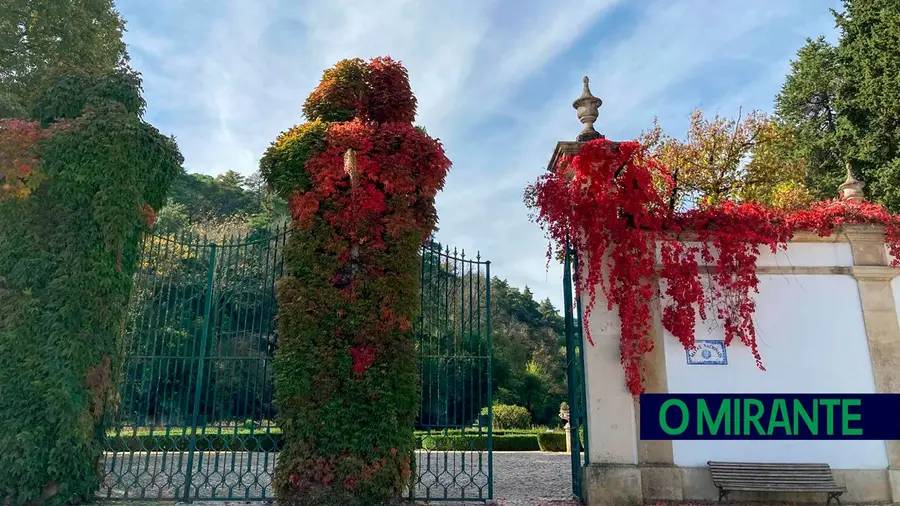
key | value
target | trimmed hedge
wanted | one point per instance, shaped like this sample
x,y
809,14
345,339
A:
x,y
552,441
503,441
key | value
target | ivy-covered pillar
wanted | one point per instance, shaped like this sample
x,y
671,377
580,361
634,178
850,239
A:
x,y
79,182
361,181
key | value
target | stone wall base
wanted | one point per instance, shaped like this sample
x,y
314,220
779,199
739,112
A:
x,y
621,485
612,485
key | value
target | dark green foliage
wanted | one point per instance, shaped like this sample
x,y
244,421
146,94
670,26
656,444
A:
x,y
510,417
68,93
10,106
807,104
552,441
67,255
869,94
39,37
199,201
529,352
843,103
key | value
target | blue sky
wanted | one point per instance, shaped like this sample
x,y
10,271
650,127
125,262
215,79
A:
x,y
495,80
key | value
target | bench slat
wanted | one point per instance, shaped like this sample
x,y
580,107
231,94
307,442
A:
x,y
773,475
771,471
783,489
780,483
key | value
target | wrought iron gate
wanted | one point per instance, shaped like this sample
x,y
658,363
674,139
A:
x,y
193,415
193,418
575,371
454,346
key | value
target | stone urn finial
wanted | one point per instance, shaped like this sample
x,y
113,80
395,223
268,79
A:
x,y
851,188
588,107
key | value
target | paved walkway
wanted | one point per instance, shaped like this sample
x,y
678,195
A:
x,y
520,478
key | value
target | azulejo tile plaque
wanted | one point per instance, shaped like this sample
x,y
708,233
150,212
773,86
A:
x,y
707,353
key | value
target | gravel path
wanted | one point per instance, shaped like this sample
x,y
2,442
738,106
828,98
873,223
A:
x,y
531,478
520,478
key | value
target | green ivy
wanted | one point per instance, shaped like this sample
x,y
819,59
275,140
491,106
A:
x,y
67,256
283,164
70,92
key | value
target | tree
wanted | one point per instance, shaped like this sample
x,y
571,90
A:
x,y
39,37
868,54
726,159
231,179
807,106
842,103
205,197
529,361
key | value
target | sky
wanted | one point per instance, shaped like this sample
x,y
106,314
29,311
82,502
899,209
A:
x,y
495,81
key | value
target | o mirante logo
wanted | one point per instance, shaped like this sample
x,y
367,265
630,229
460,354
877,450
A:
x,y
770,416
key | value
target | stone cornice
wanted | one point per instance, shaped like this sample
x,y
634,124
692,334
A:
x,y
865,272
563,148
875,272
846,233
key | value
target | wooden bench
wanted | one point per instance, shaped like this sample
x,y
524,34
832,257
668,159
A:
x,y
751,477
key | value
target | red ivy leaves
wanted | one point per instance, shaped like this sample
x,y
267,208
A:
x,y
18,157
609,203
362,357
681,272
389,97
148,215
401,170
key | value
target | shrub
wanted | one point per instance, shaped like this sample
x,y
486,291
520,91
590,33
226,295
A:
x,y
507,416
501,443
552,441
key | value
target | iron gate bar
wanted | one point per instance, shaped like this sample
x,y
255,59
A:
x,y
575,371
490,391
570,371
207,311
581,365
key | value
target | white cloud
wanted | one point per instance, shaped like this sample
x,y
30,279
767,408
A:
x,y
238,74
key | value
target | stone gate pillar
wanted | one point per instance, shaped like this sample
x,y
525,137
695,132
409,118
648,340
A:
x,y
613,476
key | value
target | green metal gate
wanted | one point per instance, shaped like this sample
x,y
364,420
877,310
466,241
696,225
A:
x,y
193,415
454,346
193,418
575,371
